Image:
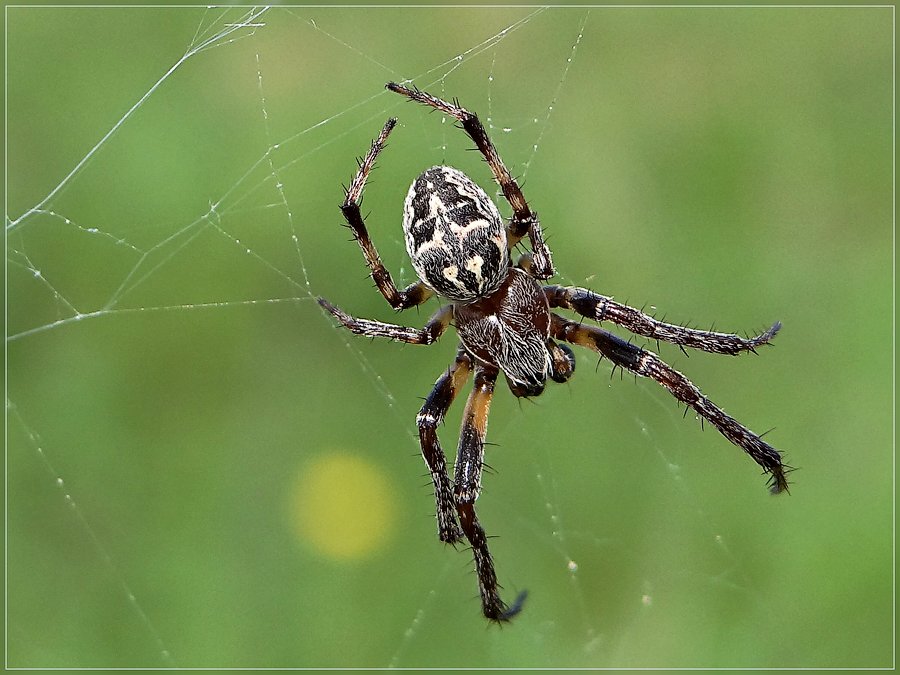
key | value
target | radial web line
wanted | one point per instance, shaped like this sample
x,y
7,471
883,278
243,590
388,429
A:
x,y
252,16
35,442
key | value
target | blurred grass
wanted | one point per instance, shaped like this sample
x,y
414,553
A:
x,y
724,165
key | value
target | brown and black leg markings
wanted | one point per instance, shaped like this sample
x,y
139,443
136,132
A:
x,y
524,222
469,465
603,308
426,335
414,294
647,364
430,417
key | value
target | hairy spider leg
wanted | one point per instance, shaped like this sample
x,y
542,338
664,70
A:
x,y
647,364
524,221
429,418
603,308
470,455
417,292
426,335
469,464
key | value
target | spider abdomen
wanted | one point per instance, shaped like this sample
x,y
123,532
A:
x,y
455,236
509,330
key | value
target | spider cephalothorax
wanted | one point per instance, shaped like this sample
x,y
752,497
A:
x,y
510,330
460,249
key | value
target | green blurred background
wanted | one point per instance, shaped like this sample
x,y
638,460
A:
x,y
202,471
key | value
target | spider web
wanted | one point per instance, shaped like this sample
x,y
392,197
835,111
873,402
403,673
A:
x,y
169,366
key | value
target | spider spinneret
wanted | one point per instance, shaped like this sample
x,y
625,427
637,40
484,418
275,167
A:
x,y
460,248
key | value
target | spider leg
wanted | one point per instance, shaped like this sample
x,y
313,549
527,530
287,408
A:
x,y
604,308
469,464
414,294
647,364
426,335
524,221
429,418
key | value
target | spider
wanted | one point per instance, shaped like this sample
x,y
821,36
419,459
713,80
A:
x,y
461,249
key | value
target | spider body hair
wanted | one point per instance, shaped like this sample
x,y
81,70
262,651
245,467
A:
x,y
509,330
460,248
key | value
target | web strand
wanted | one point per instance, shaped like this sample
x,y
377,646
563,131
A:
x,y
224,36
263,187
102,553
150,262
